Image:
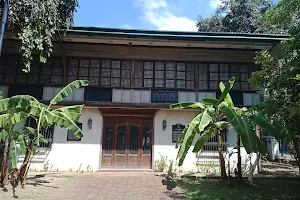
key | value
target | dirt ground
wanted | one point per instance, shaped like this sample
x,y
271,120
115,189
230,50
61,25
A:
x,y
92,186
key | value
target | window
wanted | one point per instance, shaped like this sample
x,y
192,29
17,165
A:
x,y
100,72
222,72
180,75
251,99
148,74
170,74
212,144
47,133
164,96
164,75
236,96
158,74
97,94
35,91
242,73
71,136
138,74
146,140
50,73
108,140
190,76
8,68
203,73
177,130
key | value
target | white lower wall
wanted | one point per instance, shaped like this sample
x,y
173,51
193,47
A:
x,y
163,138
232,142
65,155
163,143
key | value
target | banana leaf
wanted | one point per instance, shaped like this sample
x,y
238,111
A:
x,y
245,130
13,154
207,134
22,144
187,105
225,91
197,124
73,112
68,90
63,121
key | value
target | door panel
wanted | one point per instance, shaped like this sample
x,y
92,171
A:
x,y
108,146
146,148
127,143
121,147
133,146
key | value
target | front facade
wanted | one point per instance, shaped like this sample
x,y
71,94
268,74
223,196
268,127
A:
x,y
133,77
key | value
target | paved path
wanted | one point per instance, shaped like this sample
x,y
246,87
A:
x,y
101,185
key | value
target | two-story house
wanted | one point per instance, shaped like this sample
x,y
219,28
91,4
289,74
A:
x,y
134,75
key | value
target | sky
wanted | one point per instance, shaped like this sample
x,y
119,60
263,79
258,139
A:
x,y
175,15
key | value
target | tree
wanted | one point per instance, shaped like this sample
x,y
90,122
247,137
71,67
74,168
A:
x,y
214,116
237,16
277,74
36,23
17,108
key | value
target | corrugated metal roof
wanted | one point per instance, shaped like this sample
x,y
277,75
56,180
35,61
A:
x,y
176,35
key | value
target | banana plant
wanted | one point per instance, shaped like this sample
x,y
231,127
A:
x,y
213,116
21,107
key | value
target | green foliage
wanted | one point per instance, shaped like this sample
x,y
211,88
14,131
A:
x,y
284,15
263,189
46,166
18,108
237,16
161,164
198,124
209,133
278,73
36,23
89,168
215,117
68,90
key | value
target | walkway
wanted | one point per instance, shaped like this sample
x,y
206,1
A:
x,y
94,186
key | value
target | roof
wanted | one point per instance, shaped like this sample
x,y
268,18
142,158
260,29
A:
x,y
177,35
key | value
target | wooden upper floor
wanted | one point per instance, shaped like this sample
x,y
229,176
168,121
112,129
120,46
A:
x,y
119,62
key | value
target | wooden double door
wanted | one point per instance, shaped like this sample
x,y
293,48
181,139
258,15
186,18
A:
x,y
127,143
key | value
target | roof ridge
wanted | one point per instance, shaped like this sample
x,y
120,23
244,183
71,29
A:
x,y
172,33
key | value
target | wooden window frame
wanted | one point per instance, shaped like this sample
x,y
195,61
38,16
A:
x,y
37,74
136,82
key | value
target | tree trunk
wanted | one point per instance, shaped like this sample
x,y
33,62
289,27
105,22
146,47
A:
x,y
5,175
24,167
221,157
259,154
239,163
296,143
2,151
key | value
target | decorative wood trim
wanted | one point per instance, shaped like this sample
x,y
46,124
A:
x,y
166,43
65,65
197,75
132,78
126,115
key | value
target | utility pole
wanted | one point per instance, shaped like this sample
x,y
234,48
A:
x,y
4,20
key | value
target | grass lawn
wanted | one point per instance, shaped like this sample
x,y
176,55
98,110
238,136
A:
x,y
210,189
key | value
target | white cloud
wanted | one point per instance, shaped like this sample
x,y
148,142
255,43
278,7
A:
x,y
127,26
215,3
159,13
